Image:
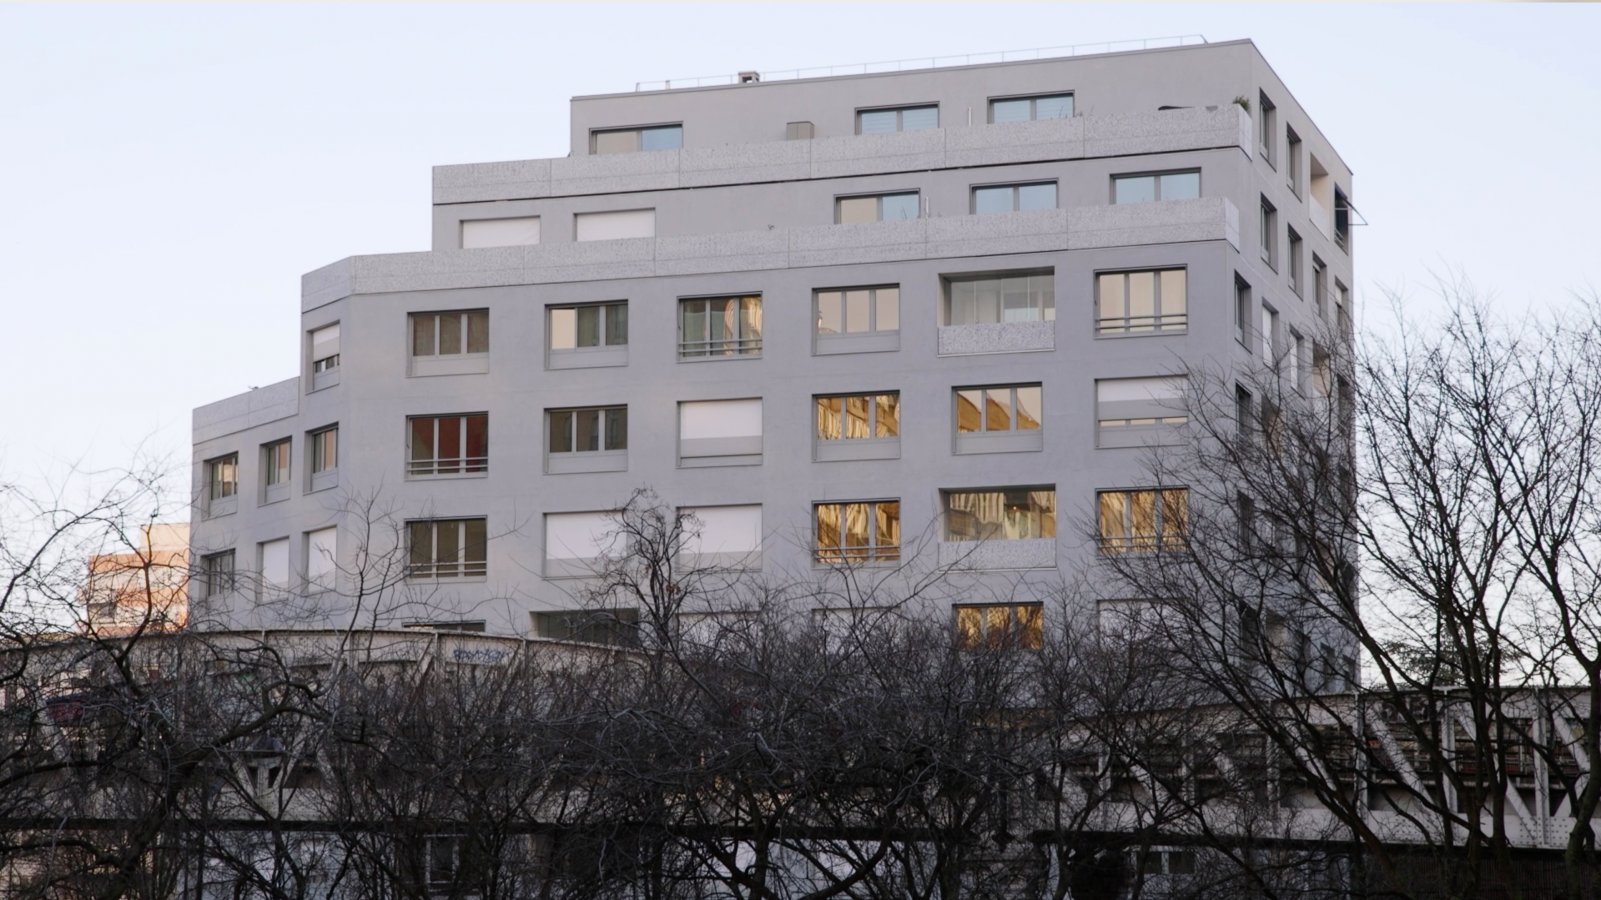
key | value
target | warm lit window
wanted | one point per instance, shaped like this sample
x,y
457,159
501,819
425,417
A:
x,y
449,333
635,140
875,208
324,450
858,532
1028,109
448,445
1156,186
222,475
888,121
579,327
720,326
995,299
1014,198
1000,625
448,548
588,430
1142,302
1144,520
859,310
858,417
1004,515
1001,408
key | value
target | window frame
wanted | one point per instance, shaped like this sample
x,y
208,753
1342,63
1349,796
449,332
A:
x,y
603,431
465,333
1159,540
638,131
971,624
320,475
880,197
1133,432
874,339
1033,107
873,407
467,569
874,551
984,390
1159,325
1268,225
1242,310
223,490
948,536
1296,268
948,284
1267,137
1016,188
463,465
1156,186
1293,168
214,581
277,457
900,117
727,348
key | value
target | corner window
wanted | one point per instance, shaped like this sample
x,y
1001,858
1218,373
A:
x,y
323,447
1028,109
995,299
325,357
1144,520
1000,515
447,548
455,333
624,224
1156,186
1267,129
906,118
448,445
998,626
593,439
865,531
999,418
720,327
1145,302
218,573
1014,198
1134,412
876,208
517,232
635,140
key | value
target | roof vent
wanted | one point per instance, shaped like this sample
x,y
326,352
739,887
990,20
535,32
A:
x,y
749,77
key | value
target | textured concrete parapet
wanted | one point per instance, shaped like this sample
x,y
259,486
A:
x,y
1022,232
872,154
740,252
492,181
1167,222
1003,337
323,286
258,407
745,163
833,245
991,555
1163,132
1015,142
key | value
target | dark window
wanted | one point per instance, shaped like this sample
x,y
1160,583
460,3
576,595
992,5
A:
x,y
448,548
449,333
448,445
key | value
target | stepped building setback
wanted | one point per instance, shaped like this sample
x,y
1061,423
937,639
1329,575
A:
x,y
915,318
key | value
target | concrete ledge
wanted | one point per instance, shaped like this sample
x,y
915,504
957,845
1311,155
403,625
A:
x,y
614,173
872,154
323,286
1015,142
990,555
1023,232
833,245
738,252
1005,337
492,181
746,163
242,411
1166,222
1163,132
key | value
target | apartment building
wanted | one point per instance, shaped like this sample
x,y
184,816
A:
x,y
919,318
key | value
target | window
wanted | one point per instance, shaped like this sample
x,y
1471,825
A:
x,y
888,121
1014,198
875,208
448,548
1129,412
1297,276
518,232
859,319
720,327
1242,309
324,450
1266,129
222,476
599,325
1292,162
1296,363
273,561
617,627
858,417
1144,302
995,299
275,471
1000,625
720,432
218,572
1157,186
1144,520
1003,408
588,430
635,140
449,333
1244,415
1270,330
576,544
322,559
1268,226
1320,286
1342,220
325,357
448,445
615,226
1029,109
1342,309
723,537
865,531
1003,515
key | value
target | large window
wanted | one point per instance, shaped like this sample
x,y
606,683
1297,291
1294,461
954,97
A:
x,y
450,333
858,417
720,326
720,432
590,430
577,544
858,319
875,208
1002,408
1131,411
722,537
906,118
448,445
1156,186
448,548
1014,198
1145,302
218,573
1000,515
866,531
1027,109
597,325
995,299
635,140
1144,520
222,477
1000,625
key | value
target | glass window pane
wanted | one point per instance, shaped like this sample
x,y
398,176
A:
x,y
919,119
961,308
1030,627
586,430
1181,186
888,421
616,142
998,409
992,200
1175,517
1142,518
889,308
561,432
879,121
888,532
447,548
857,210
669,138
829,319
1114,515
1042,291
856,529
617,428
588,326
1173,293
692,315
751,321
478,332
1111,295
1010,111
1141,300
1140,189
450,334
1017,305
969,626
422,549
828,422
422,335
828,527
856,412
857,311
969,412
475,548
1028,408
1058,107
900,207
616,324
1036,196
449,443
478,442
563,329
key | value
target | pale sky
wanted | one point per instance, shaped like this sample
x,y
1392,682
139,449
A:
x,y
168,173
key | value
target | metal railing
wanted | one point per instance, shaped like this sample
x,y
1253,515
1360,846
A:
x,y
928,62
448,466
721,347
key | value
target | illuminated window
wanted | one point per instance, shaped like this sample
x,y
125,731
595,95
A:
x,y
1000,625
869,531
1144,520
